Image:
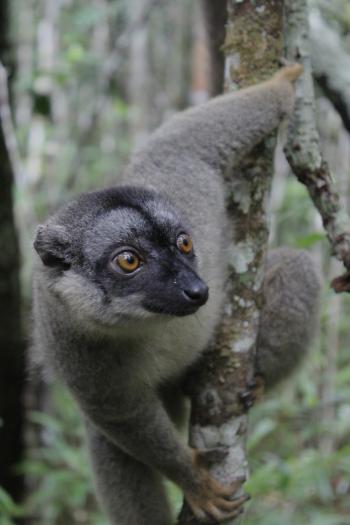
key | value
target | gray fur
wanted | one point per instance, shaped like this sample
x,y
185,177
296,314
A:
x,y
116,355
127,488
290,313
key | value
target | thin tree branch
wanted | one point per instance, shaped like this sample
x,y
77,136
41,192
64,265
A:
x,y
331,65
215,16
303,144
8,127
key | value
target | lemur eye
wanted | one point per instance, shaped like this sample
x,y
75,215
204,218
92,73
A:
x,y
127,261
184,243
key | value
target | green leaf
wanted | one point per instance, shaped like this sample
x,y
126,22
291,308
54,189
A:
x,y
307,241
75,53
261,430
7,506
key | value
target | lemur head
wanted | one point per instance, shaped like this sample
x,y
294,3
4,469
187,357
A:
x,y
122,253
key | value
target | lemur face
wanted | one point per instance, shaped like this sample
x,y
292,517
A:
x,y
146,258
133,260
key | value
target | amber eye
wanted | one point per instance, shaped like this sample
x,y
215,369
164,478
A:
x,y
184,243
127,261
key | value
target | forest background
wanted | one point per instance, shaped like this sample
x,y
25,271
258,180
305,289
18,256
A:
x,y
87,82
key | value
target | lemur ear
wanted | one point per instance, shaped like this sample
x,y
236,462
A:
x,y
52,244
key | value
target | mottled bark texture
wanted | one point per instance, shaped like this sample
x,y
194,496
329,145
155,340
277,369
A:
x,y
12,361
253,47
303,144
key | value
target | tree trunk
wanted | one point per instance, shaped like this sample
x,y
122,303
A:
x,y
218,418
215,17
12,359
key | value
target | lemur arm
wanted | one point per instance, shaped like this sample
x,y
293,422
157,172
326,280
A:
x,y
224,129
144,430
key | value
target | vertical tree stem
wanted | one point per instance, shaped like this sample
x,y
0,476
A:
x,y
12,359
253,47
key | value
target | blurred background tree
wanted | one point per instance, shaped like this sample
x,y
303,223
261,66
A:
x,y
92,79
12,355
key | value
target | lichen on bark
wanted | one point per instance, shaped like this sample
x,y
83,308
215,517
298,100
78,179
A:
x,y
303,145
218,417
253,42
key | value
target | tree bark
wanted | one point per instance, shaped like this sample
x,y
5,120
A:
x,y
218,418
215,17
12,359
303,144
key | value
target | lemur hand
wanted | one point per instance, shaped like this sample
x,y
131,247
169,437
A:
x,y
208,498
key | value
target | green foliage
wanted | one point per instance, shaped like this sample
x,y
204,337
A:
x,y
175,497
9,510
59,468
297,476
293,479
296,218
73,124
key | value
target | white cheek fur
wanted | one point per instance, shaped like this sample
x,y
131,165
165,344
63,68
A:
x,y
86,302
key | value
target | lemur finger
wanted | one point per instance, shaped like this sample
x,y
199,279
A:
x,y
225,504
229,490
289,73
214,512
254,392
218,515
231,515
199,513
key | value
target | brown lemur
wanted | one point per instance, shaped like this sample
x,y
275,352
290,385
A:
x,y
122,306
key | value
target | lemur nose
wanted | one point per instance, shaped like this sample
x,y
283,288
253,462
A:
x,y
197,293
